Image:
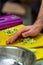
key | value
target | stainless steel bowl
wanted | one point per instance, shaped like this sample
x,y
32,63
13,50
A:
x,y
16,56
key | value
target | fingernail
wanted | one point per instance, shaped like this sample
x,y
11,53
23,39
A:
x,y
23,35
7,42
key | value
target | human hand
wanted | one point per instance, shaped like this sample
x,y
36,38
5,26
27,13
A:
x,y
26,31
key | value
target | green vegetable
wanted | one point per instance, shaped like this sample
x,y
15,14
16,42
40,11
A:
x,y
28,40
15,29
10,31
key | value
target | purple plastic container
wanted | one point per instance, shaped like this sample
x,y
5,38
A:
x,y
8,21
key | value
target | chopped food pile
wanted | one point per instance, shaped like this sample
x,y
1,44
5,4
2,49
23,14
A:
x,y
27,40
10,31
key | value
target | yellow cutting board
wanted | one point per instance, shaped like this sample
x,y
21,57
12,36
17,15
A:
x,y
39,42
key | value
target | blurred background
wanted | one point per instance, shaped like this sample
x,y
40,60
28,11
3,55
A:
x,y
21,8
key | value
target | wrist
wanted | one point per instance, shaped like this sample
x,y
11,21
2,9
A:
x,y
39,23
40,20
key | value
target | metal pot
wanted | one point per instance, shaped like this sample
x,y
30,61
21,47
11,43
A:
x,y
16,56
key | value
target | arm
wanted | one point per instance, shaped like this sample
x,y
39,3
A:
x,y
39,20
